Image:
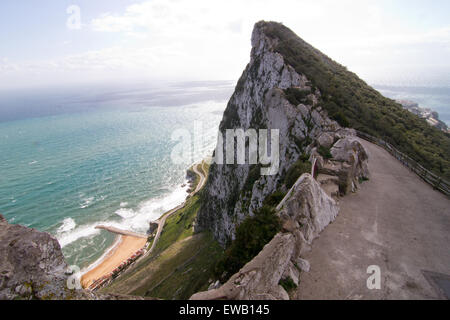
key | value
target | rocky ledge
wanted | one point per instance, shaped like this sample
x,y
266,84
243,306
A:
x,y
305,212
32,266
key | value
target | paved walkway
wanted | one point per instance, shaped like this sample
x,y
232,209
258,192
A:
x,y
122,232
395,221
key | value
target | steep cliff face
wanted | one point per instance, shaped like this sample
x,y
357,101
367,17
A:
x,y
269,95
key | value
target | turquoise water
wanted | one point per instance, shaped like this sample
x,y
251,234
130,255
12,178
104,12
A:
x,y
72,160
108,163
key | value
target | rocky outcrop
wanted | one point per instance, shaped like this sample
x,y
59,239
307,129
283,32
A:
x,y
307,209
258,279
347,167
32,266
153,226
262,100
305,212
272,95
191,177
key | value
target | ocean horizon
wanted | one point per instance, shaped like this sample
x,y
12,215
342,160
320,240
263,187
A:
x,y
70,161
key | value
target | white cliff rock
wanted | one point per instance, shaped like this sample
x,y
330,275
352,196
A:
x,y
258,279
306,211
308,206
354,158
303,264
259,102
271,95
326,140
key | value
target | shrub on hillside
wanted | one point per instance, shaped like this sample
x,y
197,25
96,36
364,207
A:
x,y
295,171
251,236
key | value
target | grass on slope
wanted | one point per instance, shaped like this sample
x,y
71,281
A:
x,y
180,265
179,226
184,268
353,103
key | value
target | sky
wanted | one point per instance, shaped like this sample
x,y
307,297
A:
x,y
67,42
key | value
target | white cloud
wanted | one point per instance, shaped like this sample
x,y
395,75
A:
x,y
207,39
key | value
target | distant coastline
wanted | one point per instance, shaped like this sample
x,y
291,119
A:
x,y
435,98
431,116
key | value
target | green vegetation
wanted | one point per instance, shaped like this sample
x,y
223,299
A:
x,y
341,119
295,171
325,152
363,179
297,96
274,199
178,272
179,226
253,175
180,265
205,168
183,269
251,236
351,102
288,284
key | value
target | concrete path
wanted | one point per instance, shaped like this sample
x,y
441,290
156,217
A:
x,y
202,181
122,232
395,221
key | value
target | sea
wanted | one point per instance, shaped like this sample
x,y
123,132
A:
x,y
75,158
71,159
436,98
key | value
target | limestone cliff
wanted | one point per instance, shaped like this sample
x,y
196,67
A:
x,y
305,211
272,95
269,95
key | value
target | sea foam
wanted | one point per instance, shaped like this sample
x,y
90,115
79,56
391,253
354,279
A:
x,y
150,210
79,232
132,220
67,225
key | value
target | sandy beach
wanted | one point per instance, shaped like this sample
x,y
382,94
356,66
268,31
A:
x,y
125,248
128,244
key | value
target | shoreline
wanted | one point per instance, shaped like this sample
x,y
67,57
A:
x,y
125,246
123,249
110,250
